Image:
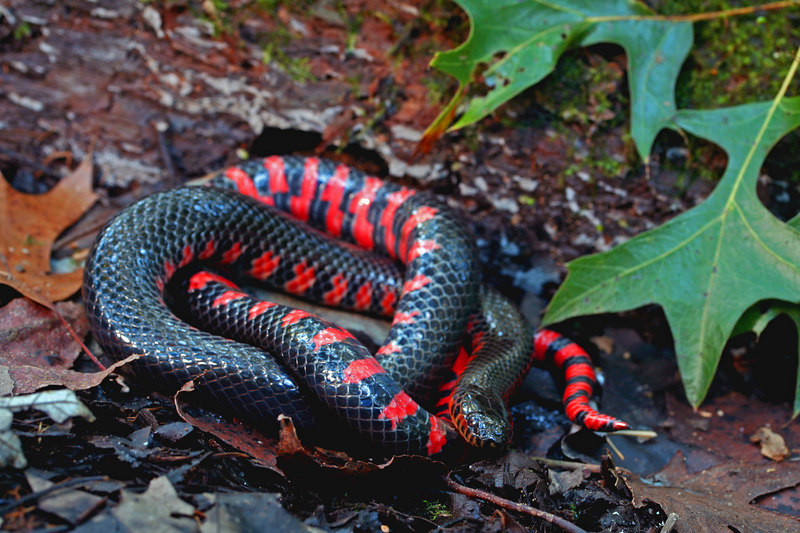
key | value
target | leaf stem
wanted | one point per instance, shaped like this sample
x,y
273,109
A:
x,y
695,17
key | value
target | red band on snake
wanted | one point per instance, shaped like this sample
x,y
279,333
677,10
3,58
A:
x,y
284,361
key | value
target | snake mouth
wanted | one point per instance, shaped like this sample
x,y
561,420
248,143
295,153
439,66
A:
x,y
481,417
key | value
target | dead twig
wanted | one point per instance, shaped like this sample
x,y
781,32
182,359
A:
x,y
672,519
569,527
24,160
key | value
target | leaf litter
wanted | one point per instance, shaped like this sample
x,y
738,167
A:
x,y
721,496
59,405
32,334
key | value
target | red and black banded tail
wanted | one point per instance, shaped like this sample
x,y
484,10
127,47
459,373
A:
x,y
550,347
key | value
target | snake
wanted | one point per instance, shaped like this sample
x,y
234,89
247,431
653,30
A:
x,y
162,282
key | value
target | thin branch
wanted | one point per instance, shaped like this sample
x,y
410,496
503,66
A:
x,y
569,527
24,160
695,17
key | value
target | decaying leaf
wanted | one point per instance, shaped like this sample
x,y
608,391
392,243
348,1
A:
x,y
25,379
157,509
10,445
721,496
242,437
72,504
604,343
772,444
288,452
250,511
563,480
59,405
27,237
35,336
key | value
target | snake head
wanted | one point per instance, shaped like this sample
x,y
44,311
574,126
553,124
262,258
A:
x,y
480,416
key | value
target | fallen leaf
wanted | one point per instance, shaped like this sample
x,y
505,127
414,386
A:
x,y
562,481
10,445
240,436
32,223
26,378
694,264
720,496
288,448
287,455
604,343
243,511
31,334
513,469
507,522
72,505
157,509
297,459
59,405
772,444
174,431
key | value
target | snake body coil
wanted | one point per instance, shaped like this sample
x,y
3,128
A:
x,y
240,225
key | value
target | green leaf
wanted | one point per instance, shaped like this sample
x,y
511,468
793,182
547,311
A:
x,y
512,45
707,266
656,50
757,319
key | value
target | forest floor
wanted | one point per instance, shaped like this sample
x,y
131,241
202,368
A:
x,y
149,95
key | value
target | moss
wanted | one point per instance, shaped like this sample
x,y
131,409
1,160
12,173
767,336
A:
x,y
297,68
608,165
734,60
22,30
436,510
226,17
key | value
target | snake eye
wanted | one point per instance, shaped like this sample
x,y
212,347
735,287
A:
x,y
480,416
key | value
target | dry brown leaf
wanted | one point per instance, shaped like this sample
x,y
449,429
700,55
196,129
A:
x,y
563,480
24,379
33,335
721,496
772,444
159,508
604,343
507,523
240,436
31,224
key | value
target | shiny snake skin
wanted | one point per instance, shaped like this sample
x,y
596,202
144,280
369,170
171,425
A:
x,y
239,225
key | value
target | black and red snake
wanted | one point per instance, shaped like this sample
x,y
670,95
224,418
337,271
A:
x,y
456,347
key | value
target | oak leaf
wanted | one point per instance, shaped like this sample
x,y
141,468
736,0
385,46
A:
x,y
32,222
